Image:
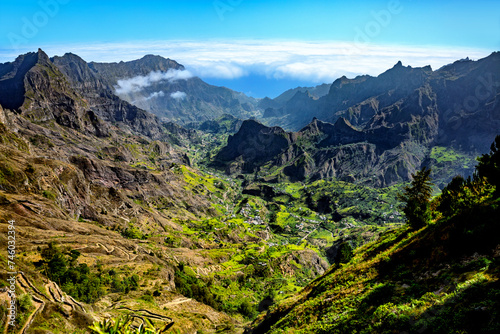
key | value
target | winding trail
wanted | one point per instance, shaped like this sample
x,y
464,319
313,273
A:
x,y
106,248
54,294
110,250
300,241
39,304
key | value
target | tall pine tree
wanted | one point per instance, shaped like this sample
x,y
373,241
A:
x,y
416,198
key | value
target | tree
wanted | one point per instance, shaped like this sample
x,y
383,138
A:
x,y
448,199
344,253
416,198
489,165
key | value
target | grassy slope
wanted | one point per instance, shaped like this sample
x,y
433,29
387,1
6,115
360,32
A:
x,y
443,278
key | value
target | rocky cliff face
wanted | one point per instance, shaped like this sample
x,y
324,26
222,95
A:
x,y
97,89
453,106
382,156
253,145
36,89
196,101
12,80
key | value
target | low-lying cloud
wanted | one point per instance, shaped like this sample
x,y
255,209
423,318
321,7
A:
x,y
155,95
178,95
151,96
321,61
138,83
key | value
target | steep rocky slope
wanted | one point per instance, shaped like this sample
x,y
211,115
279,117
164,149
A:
x,y
196,101
103,191
462,95
323,151
275,107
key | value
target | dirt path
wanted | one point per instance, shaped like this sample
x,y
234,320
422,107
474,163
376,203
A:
x,y
60,297
39,305
131,256
300,241
177,302
6,326
54,294
147,314
109,251
73,303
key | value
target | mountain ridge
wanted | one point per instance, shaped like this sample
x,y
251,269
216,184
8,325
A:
x,y
363,97
382,129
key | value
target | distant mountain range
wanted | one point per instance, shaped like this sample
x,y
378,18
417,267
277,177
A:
x,y
377,130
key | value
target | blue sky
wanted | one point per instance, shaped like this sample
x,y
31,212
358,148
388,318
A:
x,y
240,43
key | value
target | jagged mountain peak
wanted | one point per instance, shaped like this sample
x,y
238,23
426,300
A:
x,y
343,80
401,72
252,126
69,56
150,57
42,56
143,66
301,96
13,74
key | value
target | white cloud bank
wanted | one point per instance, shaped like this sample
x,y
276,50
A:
x,y
178,95
302,60
140,82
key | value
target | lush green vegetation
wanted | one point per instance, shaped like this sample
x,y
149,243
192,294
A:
x,y
256,272
446,162
258,242
190,286
78,279
75,279
440,278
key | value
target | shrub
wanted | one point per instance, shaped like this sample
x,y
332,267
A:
x,y
25,302
247,309
49,195
132,232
